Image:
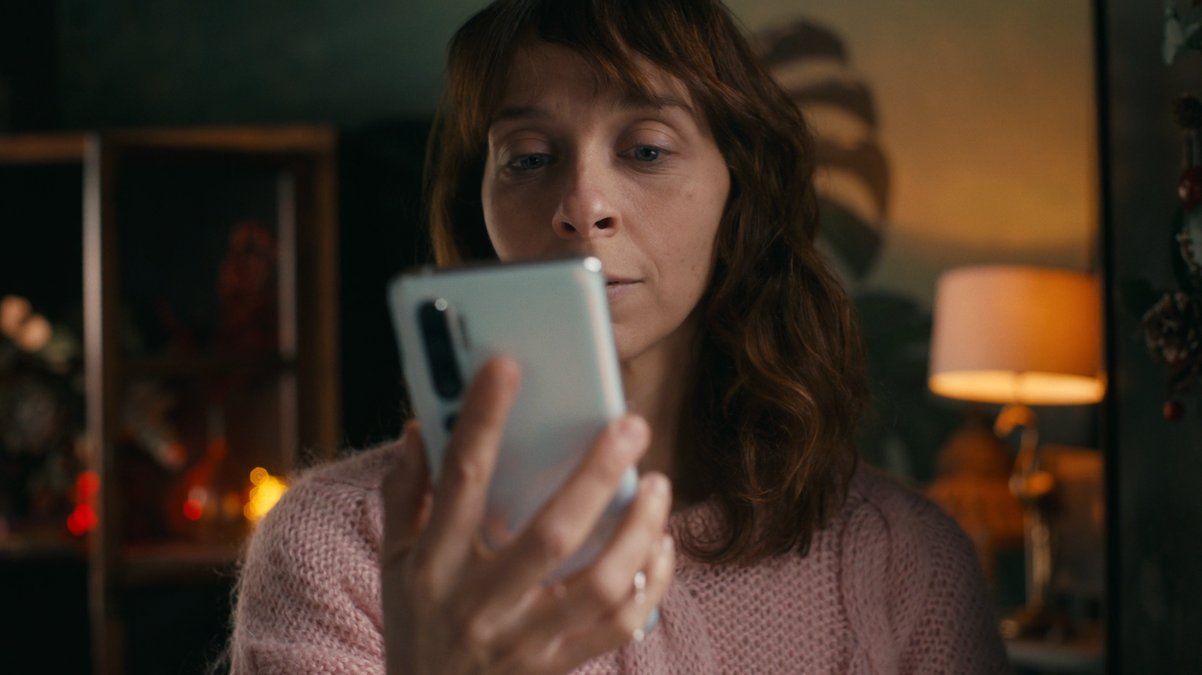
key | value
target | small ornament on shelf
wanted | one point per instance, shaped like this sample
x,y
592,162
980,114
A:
x,y
247,291
1188,114
41,419
1182,28
1173,410
1172,318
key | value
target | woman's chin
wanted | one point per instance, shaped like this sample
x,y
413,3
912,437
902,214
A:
x,y
625,344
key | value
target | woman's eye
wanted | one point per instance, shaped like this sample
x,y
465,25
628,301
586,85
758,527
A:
x,y
530,162
645,153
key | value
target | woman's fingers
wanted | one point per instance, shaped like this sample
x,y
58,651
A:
x,y
471,453
609,583
630,620
618,627
566,520
406,502
405,492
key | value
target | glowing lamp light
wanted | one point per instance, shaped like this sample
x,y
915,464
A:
x,y
1020,336
266,492
1009,334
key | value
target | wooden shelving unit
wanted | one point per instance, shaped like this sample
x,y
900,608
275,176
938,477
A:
x,y
208,366
1084,655
298,380
176,563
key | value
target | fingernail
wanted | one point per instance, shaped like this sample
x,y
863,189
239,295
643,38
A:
x,y
657,484
508,367
632,428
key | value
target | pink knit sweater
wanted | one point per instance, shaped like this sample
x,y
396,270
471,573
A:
x,y
890,586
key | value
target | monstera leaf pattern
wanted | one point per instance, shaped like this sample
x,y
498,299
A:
x,y
812,64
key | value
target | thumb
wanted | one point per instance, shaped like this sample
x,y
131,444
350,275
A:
x,y
406,493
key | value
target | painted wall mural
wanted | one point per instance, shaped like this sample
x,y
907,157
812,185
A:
x,y
949,134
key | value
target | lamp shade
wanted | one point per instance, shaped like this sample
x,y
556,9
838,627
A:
x,y
1008,334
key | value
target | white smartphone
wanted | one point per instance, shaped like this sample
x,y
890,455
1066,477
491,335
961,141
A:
x,y
553,318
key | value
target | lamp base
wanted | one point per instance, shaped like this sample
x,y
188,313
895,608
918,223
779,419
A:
x,y
1038,622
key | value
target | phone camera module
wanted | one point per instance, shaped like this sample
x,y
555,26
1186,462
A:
x,y
440,351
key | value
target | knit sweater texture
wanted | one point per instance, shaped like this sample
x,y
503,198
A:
x,y
891,585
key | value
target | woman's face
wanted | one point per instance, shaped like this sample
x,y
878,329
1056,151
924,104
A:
x,y
575,168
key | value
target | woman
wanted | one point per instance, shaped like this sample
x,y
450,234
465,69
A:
x,y
647,135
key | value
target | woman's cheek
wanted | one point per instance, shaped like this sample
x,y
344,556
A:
x,y
500,207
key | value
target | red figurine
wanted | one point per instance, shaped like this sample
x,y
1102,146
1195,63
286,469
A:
x,y
1189,188
1173,410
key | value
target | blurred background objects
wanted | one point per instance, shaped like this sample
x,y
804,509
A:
x,y
200,204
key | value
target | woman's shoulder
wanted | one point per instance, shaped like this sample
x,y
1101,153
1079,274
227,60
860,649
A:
x,y
361,469
912,579
308,590
879,505
893,544
332,500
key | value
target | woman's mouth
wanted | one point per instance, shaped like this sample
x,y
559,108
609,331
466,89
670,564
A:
x,y
617,288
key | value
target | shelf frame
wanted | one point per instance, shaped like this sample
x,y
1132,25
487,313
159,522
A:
x,y
307,365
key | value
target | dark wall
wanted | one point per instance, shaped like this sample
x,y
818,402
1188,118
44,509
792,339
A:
x,y
174,62
28,66
370,67
380,184
1155,465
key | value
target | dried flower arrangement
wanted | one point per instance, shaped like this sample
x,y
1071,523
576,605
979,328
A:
x,y
1172,318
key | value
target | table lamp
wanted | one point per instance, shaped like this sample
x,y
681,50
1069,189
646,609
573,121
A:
x,y
1020,336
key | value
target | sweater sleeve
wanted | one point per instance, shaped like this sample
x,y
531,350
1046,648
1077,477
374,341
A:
x,y
915,594
308,593
956,630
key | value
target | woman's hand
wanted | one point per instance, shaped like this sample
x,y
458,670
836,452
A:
x,y
452,606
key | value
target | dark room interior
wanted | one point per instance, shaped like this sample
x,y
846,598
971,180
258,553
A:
x,y
202,206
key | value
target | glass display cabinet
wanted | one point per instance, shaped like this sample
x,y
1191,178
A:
x,y
208,344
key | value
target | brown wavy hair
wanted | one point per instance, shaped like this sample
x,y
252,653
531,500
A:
x,y
770,414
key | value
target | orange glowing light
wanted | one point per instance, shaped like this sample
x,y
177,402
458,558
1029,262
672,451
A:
x,y
34,333
257,475
13,311
266,492
231,505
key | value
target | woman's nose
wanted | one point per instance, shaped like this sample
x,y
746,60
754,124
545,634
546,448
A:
x,y
586,208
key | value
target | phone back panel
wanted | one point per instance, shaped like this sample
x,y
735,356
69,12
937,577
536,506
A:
x,y
553,319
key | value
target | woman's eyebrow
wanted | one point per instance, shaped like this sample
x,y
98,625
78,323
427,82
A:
x,y
519,112
658,101
628,102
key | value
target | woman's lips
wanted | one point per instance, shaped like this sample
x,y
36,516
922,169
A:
x,y
617,289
